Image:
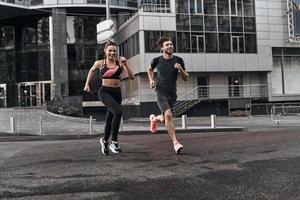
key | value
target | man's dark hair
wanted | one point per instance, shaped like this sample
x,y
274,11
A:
x,y
162,40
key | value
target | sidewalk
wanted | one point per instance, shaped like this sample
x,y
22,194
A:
x,y
28,122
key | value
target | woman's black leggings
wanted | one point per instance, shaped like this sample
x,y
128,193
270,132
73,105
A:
x,y
111,97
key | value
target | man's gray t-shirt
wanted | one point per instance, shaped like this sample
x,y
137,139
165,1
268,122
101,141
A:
x,y
166,73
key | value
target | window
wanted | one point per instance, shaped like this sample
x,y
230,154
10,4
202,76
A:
x,y
223,7
130,47
197,43
209,7
237,44
249,24
182,22
224,24
196,7
216,26
183,40
236,24
182,6
199,6
239,8
7,39
233,7
210,23
249,7
224,43
196,23
211,42
151,38
250,40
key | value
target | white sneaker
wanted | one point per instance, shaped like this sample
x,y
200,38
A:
x,y
114,147
178,148
104,146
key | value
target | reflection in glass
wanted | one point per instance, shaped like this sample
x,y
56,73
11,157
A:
x,y
224,43
249,24
182,6
209,6
210,23
196,23
182,22
223,7
236,24
211,43
151,37
249,9
184,44
250,43
224,24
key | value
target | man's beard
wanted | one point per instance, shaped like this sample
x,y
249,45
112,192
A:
x,y
169,51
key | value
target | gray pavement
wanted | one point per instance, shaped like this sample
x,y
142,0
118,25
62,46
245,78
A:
x,y
251,165
261,161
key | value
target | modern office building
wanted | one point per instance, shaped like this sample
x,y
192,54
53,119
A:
x,y
236,51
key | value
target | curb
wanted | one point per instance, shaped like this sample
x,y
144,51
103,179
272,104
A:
x,y
188,130
12,137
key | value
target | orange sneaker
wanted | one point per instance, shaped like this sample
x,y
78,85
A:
x,y
153,124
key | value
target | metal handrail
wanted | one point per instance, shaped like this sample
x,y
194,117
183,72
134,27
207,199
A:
x,y
199,93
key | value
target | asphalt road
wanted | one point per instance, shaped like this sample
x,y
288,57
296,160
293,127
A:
x,y
228,165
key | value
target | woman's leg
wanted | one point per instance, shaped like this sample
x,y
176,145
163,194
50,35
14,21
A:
x,y
107,129
113,103
117,117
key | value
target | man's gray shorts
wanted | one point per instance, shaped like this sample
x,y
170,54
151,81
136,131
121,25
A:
x,y
165,101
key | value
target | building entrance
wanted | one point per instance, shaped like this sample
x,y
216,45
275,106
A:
x,y
33,93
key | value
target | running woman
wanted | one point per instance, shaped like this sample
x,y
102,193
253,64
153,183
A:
x,y
110,93
167,67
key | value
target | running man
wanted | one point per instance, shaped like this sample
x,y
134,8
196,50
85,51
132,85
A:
x,y
167,67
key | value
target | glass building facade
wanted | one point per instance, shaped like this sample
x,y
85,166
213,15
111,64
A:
x,y
226,44
211,26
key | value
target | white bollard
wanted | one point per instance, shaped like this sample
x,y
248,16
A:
x,y
184,121
12,125
213,121
41,126
91,124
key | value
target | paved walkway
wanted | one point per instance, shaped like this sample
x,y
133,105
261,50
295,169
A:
x,y
28,121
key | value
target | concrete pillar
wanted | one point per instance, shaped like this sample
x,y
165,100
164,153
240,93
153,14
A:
x,y
58,53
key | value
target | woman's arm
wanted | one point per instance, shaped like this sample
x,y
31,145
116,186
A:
x,y
91,74
126,68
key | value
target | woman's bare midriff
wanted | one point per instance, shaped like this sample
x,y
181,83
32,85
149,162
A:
x,y
111,82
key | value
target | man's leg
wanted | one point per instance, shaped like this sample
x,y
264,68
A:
x,y
171,130
170,125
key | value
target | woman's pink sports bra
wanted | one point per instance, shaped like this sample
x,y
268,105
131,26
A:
x,y
111,73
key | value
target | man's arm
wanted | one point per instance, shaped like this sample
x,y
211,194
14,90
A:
x,y
183,72
150,73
